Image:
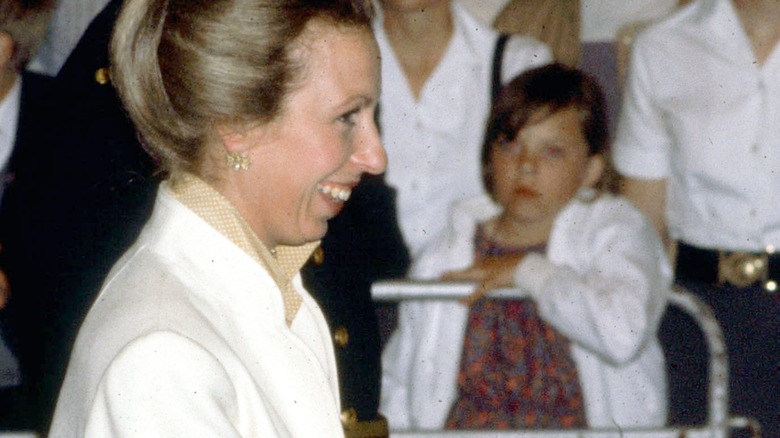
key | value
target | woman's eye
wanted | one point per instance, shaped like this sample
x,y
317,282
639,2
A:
x,y
349,118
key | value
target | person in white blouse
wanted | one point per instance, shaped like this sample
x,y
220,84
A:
x,y
436,92
699,142
261,113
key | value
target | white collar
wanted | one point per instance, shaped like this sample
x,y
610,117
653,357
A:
x,y
9,117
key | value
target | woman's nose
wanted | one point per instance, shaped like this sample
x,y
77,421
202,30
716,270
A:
x,y
370,154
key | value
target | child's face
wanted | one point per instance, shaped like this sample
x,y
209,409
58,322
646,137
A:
x,y
542,168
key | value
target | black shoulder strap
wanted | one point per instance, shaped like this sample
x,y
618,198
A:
x,y
498,60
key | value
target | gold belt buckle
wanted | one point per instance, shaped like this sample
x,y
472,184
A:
x,y
742,269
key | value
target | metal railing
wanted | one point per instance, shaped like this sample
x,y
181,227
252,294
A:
x,y
719,423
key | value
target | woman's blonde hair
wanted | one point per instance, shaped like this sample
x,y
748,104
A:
x,y
180,66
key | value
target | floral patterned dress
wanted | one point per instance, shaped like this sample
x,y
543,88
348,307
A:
x,y
516,371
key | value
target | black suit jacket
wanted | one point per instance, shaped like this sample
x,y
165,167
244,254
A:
x,y
73,216
34,113
29,146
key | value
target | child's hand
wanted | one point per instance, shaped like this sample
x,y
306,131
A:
x,y
491,273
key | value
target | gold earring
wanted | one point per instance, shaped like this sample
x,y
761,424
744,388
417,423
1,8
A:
x,y
237,161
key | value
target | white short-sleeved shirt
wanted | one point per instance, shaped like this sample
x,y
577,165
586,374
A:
x,y
701,113
434,143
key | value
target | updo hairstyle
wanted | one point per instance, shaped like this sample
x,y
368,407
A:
x,y
181,66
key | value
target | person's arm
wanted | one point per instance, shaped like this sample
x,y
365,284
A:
x,y
642,151
649,196
490,273
607,292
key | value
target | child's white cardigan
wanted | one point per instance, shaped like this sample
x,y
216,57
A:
x,y
603,284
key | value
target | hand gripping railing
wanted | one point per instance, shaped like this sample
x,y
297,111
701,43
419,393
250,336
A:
x,y
719,423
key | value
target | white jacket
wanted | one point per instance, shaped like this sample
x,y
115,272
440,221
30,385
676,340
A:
x,y
603,284
188,339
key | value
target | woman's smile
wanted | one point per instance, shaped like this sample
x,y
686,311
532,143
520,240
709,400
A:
x,y
334,192
334,196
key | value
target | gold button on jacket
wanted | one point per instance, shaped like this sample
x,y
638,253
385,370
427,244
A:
x,y
102,76
318,256
341,336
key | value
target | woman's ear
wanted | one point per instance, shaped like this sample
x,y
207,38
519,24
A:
x,y
233,137
593,171
242,137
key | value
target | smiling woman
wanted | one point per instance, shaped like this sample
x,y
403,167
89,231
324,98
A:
x,y
261,113
314,153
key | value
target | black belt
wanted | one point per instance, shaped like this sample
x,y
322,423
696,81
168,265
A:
x,y
740,269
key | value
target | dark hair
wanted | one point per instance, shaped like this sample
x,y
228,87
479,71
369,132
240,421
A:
x,y
546,90
180,66
26,21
